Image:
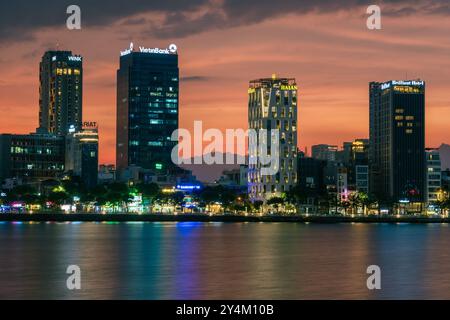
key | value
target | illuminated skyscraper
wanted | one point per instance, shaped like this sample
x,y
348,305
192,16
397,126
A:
x,y
60,91
273,105
147,107
397,141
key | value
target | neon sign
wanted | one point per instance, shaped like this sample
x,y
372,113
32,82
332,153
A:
x,y
90,124
74,58
408,83
172,49
188,187
397,83
385,86
283,87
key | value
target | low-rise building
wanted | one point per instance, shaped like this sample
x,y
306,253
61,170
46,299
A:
x,y
82,155
434,177
31,157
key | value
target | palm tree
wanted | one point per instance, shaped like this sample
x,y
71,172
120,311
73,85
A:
x,y
345,204
367,201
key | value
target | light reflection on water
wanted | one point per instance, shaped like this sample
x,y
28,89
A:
x,y
196,260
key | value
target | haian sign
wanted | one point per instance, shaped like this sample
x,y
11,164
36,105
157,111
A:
x,y
290,87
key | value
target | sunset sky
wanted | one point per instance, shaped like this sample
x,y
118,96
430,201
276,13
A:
x,y
222,45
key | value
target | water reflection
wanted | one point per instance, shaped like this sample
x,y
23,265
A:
x,y
193,260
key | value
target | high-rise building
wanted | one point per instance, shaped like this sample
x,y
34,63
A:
x,y
31,157
324,152
82,153
273,105
60,91
397,141
147,107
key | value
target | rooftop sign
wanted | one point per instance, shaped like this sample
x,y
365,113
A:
x,y
172,49
402,83
284,87
408,83
75,58
90,125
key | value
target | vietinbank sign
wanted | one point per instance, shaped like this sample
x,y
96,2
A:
x,y
172,49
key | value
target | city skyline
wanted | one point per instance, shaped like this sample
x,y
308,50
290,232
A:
x,y
225,158
214,73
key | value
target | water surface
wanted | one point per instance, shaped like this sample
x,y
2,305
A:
x,y
194,260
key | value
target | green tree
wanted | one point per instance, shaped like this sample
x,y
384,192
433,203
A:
x,y
58,197
355,201
118,194
276,202
23,193
149,192
345,204
257,205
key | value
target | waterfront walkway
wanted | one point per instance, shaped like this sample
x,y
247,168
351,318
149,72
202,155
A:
x,y
61,217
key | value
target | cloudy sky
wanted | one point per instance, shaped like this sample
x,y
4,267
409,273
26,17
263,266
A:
x,y
222,45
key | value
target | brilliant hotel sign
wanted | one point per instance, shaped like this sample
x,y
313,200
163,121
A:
x,y
172,49
417,83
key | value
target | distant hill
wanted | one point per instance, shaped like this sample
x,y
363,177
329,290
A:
x,y
211,173
444,152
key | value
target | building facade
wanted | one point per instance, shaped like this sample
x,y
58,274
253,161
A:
x,y
311,174
31,157
434,177
324,152
273,106
342,184
82,155
147,107
397,141
60,91
358,166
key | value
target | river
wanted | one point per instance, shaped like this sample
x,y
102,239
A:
x,y
197,260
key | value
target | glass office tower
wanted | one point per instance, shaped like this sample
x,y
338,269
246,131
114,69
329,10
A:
x,y
60,92
397,141
147,108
